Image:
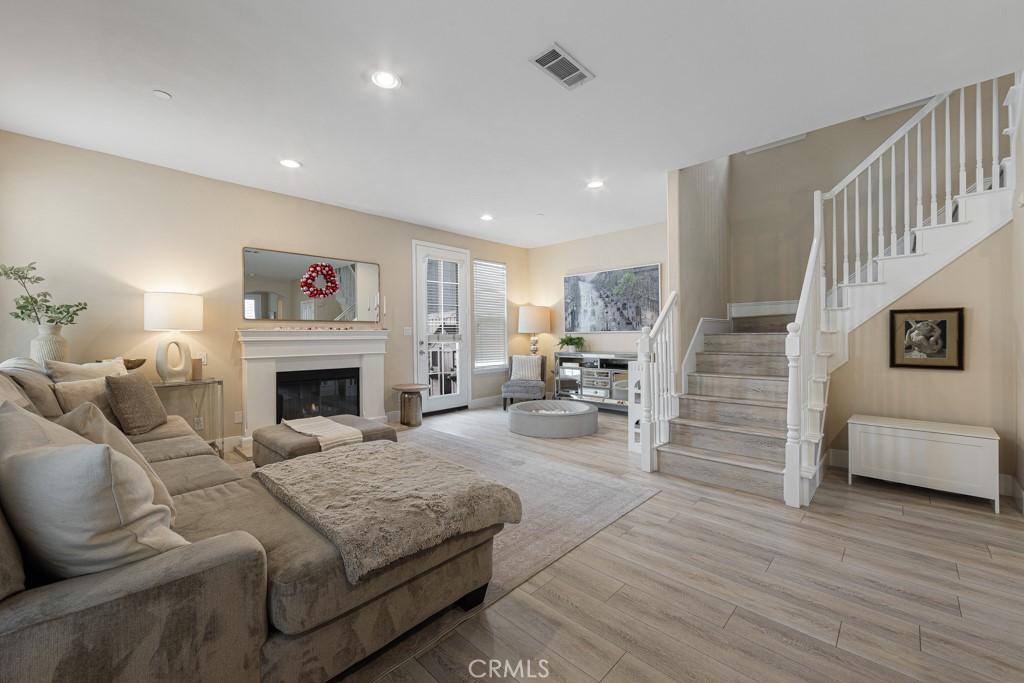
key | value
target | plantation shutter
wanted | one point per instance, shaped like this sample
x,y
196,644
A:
x,y
490,339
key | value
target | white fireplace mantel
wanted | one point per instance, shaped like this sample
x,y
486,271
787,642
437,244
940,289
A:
x,y
265,352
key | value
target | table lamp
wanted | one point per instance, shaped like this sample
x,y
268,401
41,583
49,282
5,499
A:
x,y
173,312
532,321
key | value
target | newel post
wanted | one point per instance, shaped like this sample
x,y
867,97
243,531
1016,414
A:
x,y
791,478
647,425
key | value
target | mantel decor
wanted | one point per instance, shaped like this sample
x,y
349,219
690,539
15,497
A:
x,y
308,282
927,338
40,309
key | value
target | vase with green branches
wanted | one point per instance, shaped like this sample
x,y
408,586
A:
x,y
39,308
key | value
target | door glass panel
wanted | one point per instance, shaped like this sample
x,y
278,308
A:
x,y
443,331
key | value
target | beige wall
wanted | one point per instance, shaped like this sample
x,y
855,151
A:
x,y
770,192
770,203
105,229
984,393
698,228
548,265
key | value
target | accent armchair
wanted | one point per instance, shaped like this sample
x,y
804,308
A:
x,y
523,389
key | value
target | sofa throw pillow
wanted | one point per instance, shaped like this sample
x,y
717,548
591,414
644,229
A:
x,y
10,391
526,367
36,384
83,509
60,371
88,422
70,395
136,404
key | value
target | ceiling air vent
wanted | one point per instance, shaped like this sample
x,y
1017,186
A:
x,y
563,67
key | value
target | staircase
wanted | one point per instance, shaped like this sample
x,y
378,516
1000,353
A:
x,y
752,408
731,429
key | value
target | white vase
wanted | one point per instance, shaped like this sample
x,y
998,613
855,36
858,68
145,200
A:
x,y
49,345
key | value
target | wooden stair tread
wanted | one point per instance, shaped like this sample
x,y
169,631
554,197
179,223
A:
x,y
774,378
739,401
736,429
724,458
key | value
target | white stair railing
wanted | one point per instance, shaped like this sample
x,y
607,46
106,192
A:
x,y
655,366
948,150
808,376
949,155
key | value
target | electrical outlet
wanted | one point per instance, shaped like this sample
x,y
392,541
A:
x,y
205,357
197,423
238,417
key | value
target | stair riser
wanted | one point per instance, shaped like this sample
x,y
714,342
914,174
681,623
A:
x,y
764,448
702,471
762,323
745,343
738,387
774,366
732,413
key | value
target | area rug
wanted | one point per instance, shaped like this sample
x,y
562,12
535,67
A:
x,y
563,506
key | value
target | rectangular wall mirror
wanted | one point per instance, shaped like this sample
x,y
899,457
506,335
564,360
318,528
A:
x,y
274,288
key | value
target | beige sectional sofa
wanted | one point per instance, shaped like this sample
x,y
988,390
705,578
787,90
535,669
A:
x,y
258,594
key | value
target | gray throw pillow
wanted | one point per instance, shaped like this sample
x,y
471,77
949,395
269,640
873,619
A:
x,y
36,384
10,391
88,422
83,509
60,371
70,395
135,403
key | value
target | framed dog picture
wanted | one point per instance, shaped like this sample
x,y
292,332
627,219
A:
x,y
927,338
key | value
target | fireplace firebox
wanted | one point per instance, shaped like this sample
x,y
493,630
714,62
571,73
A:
x,y
307,393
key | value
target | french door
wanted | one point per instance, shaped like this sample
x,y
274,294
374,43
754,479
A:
x,y
441,329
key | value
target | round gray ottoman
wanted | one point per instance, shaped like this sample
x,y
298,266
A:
x,y
552,419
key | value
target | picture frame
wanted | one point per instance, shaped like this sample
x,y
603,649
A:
x,y
927,338
614,300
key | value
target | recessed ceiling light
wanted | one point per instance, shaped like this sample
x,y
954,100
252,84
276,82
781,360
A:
x,y
290,163
162,94
487,217
595,184
386,80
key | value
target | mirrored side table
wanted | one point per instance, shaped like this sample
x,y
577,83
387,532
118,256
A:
x,y
201,403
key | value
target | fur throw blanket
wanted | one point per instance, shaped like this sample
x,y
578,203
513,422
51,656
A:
x,y
381,501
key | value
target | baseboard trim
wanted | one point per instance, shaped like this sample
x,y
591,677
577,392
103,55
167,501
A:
x,y
758,308
838,457
485,402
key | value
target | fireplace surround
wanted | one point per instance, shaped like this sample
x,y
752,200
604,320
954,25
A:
x,y
266,352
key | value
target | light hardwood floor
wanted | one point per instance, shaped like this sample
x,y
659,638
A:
x,y
873,582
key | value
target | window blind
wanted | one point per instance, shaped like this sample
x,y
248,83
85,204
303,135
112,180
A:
x,y
490,339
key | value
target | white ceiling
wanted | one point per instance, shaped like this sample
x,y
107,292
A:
x,y
476,126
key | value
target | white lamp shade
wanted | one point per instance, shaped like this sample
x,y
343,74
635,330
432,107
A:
x,y
534,319
172,311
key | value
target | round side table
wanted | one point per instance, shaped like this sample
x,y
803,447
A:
x,y
412,403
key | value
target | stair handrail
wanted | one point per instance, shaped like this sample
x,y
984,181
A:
x,y
802,346
926,109
658,401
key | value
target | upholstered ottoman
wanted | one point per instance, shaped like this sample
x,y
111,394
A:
x,y
281,442
552,419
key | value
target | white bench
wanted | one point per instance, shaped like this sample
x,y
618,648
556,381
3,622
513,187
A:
x,y
946,457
